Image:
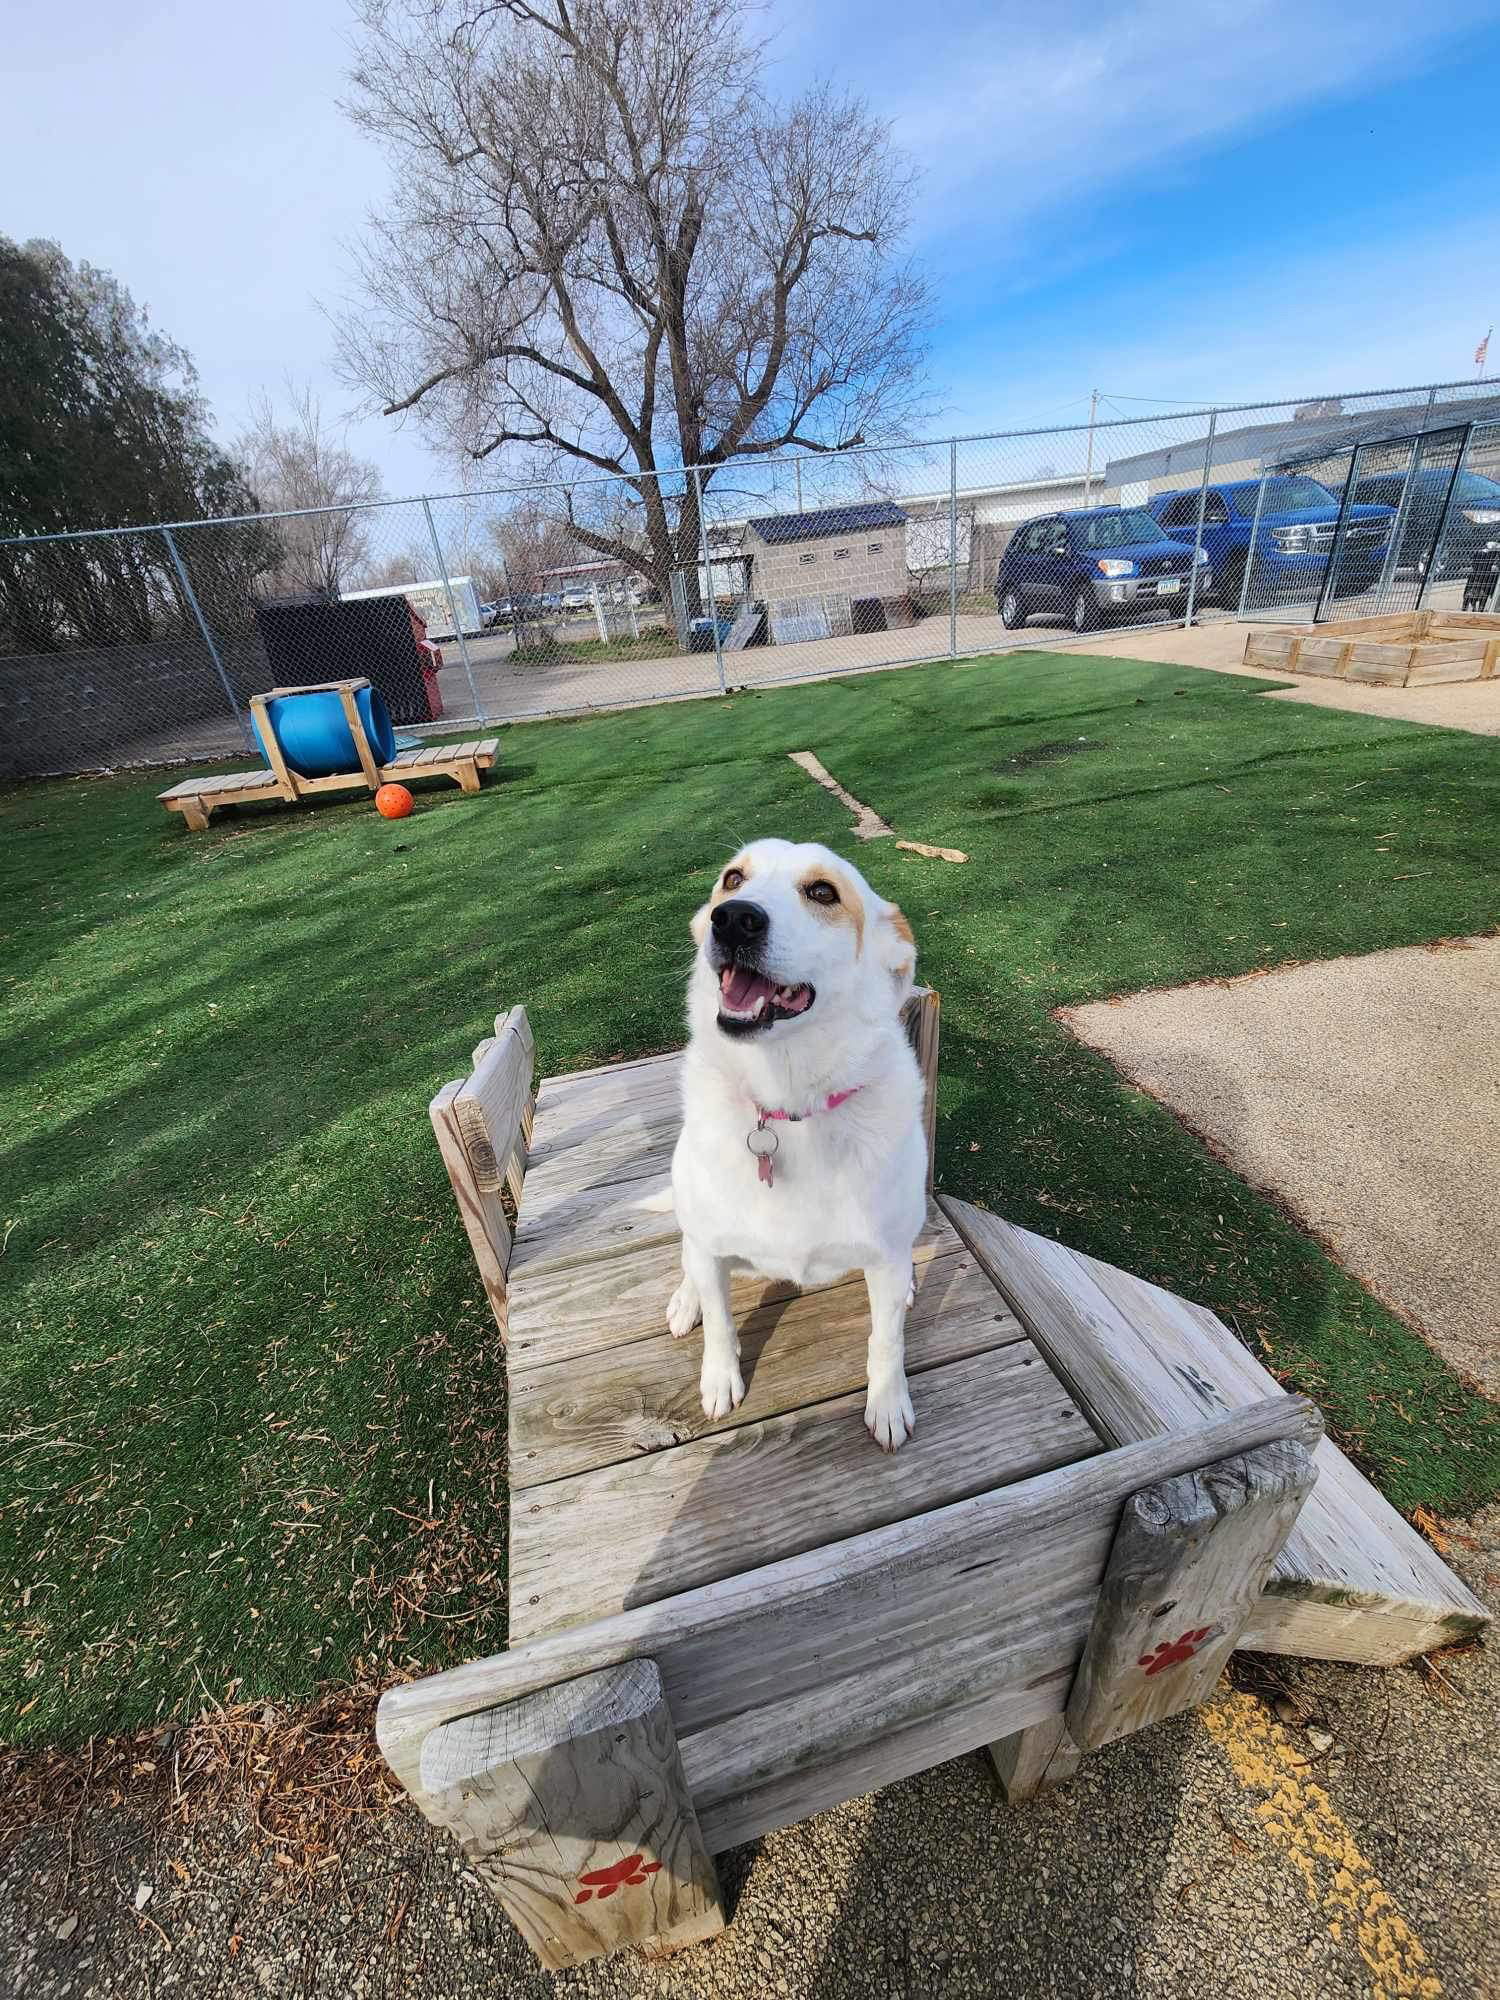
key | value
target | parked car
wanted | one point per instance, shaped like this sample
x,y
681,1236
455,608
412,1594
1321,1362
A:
x,y
1298,519
1473,518
1091,564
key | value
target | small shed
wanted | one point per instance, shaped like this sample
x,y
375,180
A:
x,y
847,554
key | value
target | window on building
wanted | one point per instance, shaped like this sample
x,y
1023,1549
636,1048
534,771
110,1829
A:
x,y
811,556
874,548
841,555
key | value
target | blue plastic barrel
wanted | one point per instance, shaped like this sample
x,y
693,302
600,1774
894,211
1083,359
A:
x,y
314,733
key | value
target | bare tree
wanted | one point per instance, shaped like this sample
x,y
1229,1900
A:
x,y
529,541
608,252
301,462
413,565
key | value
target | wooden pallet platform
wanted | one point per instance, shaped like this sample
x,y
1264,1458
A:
x,y
1399,649
719,1628
596,1381
198,798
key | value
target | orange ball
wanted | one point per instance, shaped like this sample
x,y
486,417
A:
x,y
393,802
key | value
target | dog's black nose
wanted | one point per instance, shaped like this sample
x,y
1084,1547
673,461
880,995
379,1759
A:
x,y
740,923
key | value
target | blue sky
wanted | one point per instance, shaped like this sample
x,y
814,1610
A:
x,y
1176,200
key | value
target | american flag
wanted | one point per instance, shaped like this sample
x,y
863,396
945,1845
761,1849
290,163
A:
x,y
1482,351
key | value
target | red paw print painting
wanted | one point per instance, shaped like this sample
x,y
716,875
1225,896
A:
x,y
1170,1653
602,1882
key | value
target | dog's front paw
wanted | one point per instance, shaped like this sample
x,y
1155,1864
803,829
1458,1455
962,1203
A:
x,y
684,1309
722,1389
889,1416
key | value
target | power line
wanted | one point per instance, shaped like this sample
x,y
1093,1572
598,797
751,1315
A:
x,y
1177,402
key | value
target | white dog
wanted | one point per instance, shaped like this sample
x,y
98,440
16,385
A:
x,y
802,1153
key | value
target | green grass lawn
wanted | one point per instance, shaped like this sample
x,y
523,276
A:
x,y
255,1403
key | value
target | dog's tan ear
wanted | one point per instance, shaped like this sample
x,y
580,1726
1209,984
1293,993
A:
x,y
699,925
896,947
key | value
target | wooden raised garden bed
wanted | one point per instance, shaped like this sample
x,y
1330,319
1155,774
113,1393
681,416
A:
x,y
1402,649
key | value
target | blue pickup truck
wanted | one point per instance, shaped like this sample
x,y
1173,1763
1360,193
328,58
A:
x,y
1298,518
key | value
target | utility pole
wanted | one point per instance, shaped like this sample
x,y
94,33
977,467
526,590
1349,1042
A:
x,y
1088,477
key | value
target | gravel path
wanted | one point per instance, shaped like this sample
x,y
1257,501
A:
x,y
1365,1093
1220,645
1348,1850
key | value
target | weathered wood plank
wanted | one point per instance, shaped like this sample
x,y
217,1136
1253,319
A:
x,y
780,1764
1190,1558
482,1216
1001,1564
1466,665
1354,1581
488,1103
233,786
922,1015
585,1138
583,1105
1480,626
1035,1760
286,780
560,1224
354,722
1381,665
571,1806
1322,656
1439,651
559,1313
592,1410
570,1080
738,1498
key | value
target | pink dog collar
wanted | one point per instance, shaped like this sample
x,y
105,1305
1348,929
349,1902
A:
x,y
770,1145
830,1103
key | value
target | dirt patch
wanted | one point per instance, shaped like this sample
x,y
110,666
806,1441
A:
x,y
1047,753
1318,1824
868,825
1365,1094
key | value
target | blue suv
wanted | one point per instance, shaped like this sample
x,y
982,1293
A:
x,y
1298,518
1090,564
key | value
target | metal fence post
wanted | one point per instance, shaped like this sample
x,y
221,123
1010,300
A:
x,y
953,550
208,638
708,571
1403,507
1208,466
1328,589
1260,502
1441,537
458,630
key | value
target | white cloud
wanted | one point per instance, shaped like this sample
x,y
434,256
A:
x,y
1033,111
1406,308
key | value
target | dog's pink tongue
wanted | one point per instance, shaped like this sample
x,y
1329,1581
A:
x,y
740,986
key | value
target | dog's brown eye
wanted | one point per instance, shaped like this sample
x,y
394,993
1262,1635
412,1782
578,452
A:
x,y
733,877
821,892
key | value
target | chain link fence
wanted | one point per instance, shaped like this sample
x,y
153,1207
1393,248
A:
x,y
142,646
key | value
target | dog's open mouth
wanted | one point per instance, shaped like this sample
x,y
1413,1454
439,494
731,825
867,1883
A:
x,y
747,999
